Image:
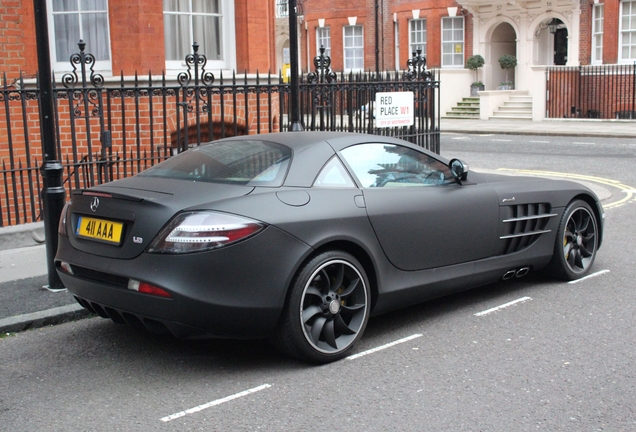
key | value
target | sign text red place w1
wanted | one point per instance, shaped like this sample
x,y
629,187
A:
x,y
394,109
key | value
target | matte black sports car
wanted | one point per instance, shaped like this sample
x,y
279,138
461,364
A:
x,y
301,236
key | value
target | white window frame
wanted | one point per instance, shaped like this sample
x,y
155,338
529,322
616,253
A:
x,y
627,33
598,22
413,45
64,65
453,42
323,38
227,45
353,37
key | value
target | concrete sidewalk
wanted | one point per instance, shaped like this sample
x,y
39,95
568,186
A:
x,y
24,303
553,127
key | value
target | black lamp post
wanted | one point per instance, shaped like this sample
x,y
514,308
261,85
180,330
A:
x,y
53,194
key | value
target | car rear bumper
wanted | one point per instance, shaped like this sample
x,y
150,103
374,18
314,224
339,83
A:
x,y
236,292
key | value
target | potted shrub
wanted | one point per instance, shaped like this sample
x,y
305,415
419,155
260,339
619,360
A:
x,y
474,63
507,62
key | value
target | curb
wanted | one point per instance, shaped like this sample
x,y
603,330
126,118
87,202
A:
x,y
547,127
582,134
18,236
54,316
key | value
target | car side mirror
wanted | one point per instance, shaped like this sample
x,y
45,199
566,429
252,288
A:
x,y
459,170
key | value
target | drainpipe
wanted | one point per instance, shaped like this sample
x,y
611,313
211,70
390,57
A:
x,y
377,38
293,64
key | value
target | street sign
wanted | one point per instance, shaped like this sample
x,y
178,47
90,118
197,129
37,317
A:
x,y
394,109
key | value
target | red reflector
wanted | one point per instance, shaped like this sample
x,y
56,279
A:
x,y
153,290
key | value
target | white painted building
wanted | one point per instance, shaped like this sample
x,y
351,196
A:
x,y
538,33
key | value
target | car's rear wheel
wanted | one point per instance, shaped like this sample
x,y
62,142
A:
x,y
576,242
327,309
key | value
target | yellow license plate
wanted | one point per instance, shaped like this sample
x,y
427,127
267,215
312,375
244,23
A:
x,y
99,229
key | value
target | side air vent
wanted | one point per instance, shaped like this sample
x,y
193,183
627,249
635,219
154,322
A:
x,y
523,224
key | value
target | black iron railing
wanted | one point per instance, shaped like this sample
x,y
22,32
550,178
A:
x,y
107,129
603,92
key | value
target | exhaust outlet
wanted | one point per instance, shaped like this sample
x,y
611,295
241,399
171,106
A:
x,y
509,274
522,272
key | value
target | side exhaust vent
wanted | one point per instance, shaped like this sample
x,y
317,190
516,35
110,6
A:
x,y
509,274
521,272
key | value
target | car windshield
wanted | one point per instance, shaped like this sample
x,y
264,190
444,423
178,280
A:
x,y
247,162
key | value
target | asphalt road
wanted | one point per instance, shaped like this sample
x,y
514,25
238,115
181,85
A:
x,y
526,354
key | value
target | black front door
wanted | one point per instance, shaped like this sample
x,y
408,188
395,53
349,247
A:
x,y
561,47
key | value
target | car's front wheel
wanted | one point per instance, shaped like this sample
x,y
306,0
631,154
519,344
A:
x,y
576,242
327,309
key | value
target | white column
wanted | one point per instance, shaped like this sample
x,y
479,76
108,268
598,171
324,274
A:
x,y
521,79
574,37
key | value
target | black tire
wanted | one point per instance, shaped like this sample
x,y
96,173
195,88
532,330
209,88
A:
x,y
327,309
576,242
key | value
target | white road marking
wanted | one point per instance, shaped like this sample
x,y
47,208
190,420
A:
x,y
214,403
382,347
486,312
501,140
593,275
584,143
541,142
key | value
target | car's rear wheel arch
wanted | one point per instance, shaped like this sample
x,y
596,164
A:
x,y
361,255
327,307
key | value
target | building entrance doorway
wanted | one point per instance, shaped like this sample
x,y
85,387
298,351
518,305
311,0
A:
x,y
503,41
561,47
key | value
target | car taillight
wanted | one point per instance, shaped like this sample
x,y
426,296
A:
x,y
203,230
66,267
146,288
61,228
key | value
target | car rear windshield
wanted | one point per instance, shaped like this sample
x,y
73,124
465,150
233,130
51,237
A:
x,y
245,162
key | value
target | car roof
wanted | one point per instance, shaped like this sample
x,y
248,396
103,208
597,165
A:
x,y
295,140
299,140
312,149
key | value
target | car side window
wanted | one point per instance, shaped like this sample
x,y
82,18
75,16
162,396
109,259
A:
x,y
390,165
334,174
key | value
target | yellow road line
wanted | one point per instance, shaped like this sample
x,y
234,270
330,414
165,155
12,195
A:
x,y
628,190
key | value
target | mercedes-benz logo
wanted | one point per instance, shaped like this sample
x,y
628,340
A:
x,y
95,204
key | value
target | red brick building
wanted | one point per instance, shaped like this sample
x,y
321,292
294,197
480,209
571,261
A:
x,y
128,36
348,31
144,120
608,32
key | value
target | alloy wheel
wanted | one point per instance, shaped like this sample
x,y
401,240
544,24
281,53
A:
x,y
580,240
334,306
